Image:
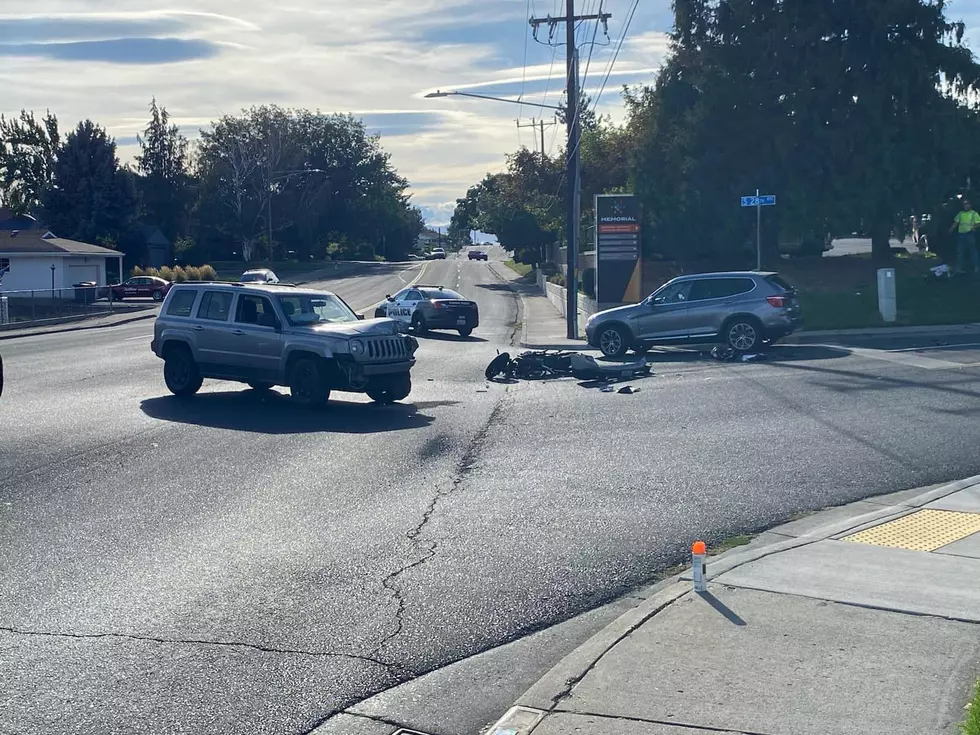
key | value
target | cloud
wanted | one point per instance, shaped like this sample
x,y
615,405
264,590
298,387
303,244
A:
x,y
117,50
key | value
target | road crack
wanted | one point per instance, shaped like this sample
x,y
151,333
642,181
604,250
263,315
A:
x,y
427,548
397,670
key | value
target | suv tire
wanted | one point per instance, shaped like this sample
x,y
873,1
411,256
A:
x,y
613,340
180,372
743,334
262,387
307,383
389,390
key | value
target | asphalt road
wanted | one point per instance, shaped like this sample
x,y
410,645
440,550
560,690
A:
x,y
234,565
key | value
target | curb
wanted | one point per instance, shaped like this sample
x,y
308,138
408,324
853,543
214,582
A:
x,y
78,328
522,304
938,330
545,695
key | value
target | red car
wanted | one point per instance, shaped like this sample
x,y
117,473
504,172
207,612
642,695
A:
x,y
142,287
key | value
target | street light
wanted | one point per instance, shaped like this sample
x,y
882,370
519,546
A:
x,y
455,93
282,176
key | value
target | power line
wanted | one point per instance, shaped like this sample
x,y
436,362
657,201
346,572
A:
x,y
615,56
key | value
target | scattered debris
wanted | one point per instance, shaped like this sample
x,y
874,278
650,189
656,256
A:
x,y
723,353
942,271
628,390
751,358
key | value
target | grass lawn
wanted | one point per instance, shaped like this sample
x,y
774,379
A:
x,y
521,268
971,725
842,293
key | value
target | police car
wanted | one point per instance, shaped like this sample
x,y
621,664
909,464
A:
x,y
431,307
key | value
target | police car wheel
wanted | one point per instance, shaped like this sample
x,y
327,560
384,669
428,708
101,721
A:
x,y
419,325
465,332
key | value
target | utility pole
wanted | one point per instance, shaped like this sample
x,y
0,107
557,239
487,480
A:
x,y
573,123
538,125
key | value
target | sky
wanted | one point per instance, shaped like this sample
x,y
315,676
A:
x,y
376,59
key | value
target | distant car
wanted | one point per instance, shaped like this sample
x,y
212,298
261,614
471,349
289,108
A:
x,y
259,275
141,287
436,254
740,309
431,307
413,256
476,255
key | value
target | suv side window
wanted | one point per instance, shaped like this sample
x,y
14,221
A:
x,y
182,302
255,310
676,294
720,288
215,305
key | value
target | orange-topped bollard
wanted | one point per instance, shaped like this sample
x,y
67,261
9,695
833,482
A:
x,y
698,568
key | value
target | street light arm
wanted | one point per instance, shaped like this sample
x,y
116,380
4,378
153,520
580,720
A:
x,y
440,93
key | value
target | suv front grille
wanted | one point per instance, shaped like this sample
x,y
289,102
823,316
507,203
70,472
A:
x,y
386,348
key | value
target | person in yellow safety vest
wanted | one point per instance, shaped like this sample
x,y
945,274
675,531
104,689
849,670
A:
x,y
966,223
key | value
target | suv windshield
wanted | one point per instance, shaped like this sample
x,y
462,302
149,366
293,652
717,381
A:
x,y
304,309
440,293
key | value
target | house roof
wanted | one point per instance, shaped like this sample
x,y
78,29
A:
x,y
154,236
39,242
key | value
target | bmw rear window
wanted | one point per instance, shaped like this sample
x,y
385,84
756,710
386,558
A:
x,y
780,282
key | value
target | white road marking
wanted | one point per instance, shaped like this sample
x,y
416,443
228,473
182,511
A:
x,y
937,347
142,336
905,358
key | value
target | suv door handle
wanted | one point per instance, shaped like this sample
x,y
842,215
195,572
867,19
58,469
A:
x,y
198,328
237,332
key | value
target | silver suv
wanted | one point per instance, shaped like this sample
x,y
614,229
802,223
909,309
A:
x,y
266,335
742,309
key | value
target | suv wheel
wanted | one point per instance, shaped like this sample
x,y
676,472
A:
x,y
262,387
307,385
180,372
613,340
743,335
391,389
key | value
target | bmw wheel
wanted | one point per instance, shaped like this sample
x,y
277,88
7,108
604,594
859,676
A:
x,y
743,335
613,340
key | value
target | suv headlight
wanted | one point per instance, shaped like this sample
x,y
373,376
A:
x,y
356,347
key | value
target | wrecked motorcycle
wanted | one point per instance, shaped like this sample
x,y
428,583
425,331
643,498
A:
x,y
544,364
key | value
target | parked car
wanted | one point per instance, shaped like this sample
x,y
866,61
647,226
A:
x,y
146,287
266,335
743,310
259,275
436,254
476,255
431,307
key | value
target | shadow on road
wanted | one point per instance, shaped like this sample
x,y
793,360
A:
x,y
775,353
274,413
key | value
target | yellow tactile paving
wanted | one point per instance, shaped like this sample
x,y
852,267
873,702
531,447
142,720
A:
x,y
924,530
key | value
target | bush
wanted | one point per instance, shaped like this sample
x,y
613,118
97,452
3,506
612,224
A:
x,y
192,273
137,271
208,273
167,273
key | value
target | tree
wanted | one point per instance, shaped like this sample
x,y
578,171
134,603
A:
x,y
27,155
164,182
91,198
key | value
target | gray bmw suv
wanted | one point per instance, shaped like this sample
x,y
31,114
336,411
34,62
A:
x,y
742,309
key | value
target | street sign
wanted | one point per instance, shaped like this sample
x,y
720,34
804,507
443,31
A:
x,y
617,242
765,200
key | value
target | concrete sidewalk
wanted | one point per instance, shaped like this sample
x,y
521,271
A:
x,y
860,619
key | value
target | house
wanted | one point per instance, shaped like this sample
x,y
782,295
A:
x,y
37,260
429,238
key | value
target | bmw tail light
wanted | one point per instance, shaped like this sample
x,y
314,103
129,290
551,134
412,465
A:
x,y
778,301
